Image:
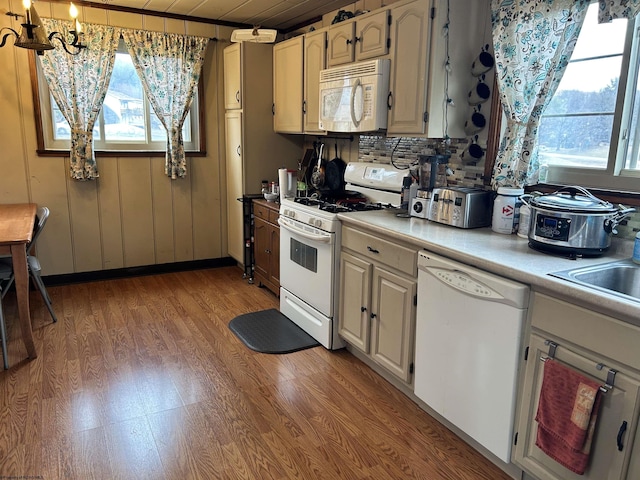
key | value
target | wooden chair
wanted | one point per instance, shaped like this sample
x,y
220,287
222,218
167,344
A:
x,y
6,265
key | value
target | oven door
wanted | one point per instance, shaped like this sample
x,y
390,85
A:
x,y
307,263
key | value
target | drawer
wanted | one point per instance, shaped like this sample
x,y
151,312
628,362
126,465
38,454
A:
x,y
404,259
261,211
273,216
599,333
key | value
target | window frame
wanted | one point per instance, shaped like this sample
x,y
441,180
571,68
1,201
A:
x,y
623,189
43,151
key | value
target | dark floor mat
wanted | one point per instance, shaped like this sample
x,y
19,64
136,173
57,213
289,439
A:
x,y
269,331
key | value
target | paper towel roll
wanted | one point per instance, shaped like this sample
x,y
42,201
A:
x,y
287,180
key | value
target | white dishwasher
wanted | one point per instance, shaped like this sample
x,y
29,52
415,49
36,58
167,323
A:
x,y
468,339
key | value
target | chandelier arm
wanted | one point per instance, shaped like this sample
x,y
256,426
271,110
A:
x,y
6,35
58,36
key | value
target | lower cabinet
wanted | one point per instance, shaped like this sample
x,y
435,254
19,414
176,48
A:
x,y
377,300
576,336
266,245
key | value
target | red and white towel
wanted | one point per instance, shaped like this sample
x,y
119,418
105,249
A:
x,y
566,416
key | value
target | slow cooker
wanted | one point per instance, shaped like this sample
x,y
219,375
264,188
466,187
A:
x,y
573,222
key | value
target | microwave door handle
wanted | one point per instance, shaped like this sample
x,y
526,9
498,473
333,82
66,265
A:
x,y
354,89
308,236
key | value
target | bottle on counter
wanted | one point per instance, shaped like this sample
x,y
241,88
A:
x,y
506,210
525,219
636,249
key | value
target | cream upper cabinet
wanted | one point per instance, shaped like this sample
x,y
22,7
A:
x,y
232,78
315,59
593,345
288,68
360,38
377,299
410,49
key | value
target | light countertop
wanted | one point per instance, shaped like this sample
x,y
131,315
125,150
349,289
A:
x,y
505,255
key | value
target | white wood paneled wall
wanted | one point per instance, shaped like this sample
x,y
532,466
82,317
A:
x,y
133,214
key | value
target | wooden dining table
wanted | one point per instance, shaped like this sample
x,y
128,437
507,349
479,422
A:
x,y
16,229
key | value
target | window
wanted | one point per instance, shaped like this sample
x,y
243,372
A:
x,y
589,134
126,121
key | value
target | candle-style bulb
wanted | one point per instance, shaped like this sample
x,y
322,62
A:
x,y
78,26
73,11
26,4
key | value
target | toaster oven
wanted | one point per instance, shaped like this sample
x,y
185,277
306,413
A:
x,y
461,207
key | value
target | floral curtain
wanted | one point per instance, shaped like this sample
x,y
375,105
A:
x,y
78,84
533,42
612,9
169,66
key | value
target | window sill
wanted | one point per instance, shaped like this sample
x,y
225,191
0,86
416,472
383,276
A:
x,y
120,153
626,198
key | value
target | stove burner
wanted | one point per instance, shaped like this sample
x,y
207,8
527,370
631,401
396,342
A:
x,y
307,201
335,208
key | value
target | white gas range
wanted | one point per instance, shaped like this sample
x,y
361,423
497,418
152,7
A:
x,y
310,235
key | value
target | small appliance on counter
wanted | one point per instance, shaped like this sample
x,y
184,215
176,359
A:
x,y
461,207
432,173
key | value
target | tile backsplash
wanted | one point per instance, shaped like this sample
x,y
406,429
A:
x,y
405,150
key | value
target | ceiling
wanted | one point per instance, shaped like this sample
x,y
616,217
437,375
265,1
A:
x,y
278,14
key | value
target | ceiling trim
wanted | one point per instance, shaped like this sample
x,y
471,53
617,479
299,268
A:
x,y
154,13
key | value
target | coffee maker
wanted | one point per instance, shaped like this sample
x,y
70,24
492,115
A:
x,y
433,174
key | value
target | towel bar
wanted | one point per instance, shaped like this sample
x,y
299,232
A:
x,y
611,374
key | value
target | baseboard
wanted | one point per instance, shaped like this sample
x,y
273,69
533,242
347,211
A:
x,y
69,278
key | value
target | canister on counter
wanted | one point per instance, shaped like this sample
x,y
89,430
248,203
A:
x,y
506,210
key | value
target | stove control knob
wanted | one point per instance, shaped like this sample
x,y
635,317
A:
x,y
290,213
318,223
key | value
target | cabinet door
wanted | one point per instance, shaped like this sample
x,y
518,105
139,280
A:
x,y
410,45
618,405
288,85
315,59
232,77
392,326
341,42
235,235
262,247
355,290
372,33
274,258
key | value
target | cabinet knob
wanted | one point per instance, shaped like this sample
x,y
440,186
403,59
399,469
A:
x,y
349,42
373,315
267,250
356,40
363,309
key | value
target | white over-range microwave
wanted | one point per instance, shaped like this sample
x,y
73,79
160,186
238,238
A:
x,y
353,97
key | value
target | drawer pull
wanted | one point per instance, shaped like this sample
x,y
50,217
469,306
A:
x,y
372,250
623,428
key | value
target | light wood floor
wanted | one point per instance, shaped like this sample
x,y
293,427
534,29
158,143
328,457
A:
x,y
141,378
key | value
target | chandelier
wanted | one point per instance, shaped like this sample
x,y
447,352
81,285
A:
x,y
34,36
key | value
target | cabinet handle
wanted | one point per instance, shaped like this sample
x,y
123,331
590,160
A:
x,y
356,40
273,109
363,309
373,315
389,100
623,428
349,42
372,250
238,96
304,106
267,250
238,150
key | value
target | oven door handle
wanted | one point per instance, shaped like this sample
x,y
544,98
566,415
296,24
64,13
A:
x,y
308,236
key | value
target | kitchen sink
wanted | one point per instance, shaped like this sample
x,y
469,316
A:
x,y
621,277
